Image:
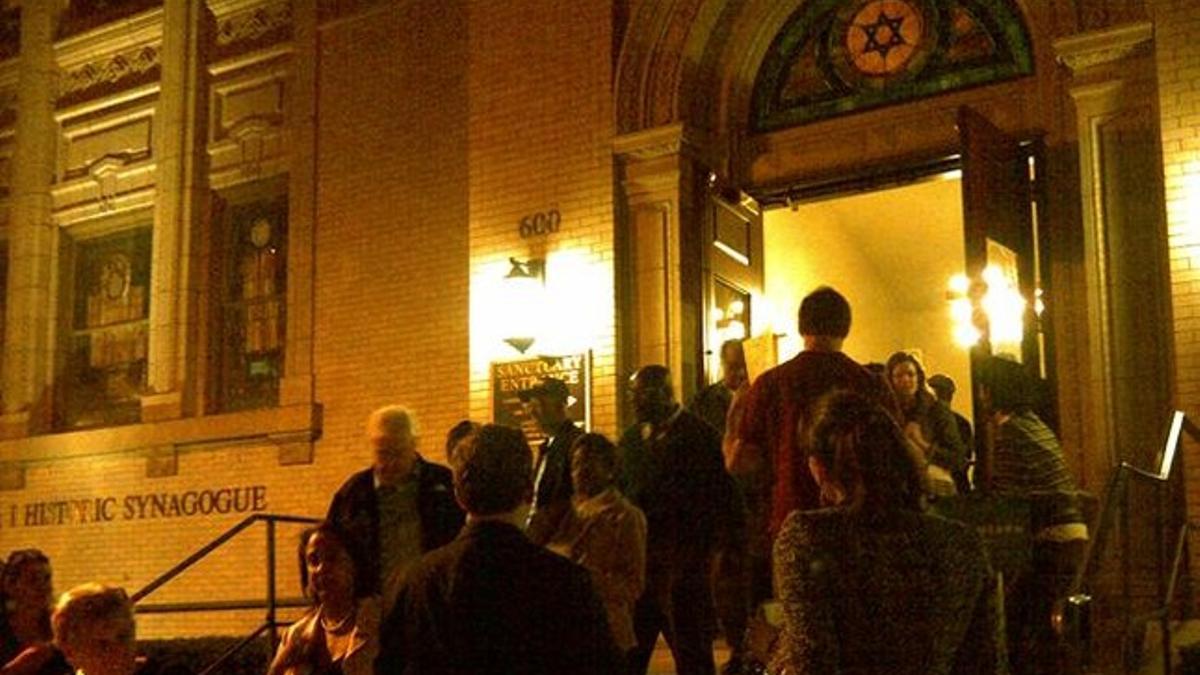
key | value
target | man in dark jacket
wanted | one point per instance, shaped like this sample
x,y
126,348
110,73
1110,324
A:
x,y
492,601
673,470
399,508
547,403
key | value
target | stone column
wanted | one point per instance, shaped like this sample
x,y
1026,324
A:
x,y
663,304
297,384
28,335
1125,247
1129,320
180,206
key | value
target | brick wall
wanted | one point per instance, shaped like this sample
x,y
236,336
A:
x,y
391,240
1176,23
540,127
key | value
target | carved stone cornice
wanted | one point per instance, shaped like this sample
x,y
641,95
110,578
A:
x,y
654,143
247,25
87,16
1095,48
254,24
122,70
109,39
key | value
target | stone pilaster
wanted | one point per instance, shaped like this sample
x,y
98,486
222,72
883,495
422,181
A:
x,y
180,208
659,180
1125,263
297,383
28,335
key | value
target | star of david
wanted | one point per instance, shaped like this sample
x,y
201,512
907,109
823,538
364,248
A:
x,y
895,39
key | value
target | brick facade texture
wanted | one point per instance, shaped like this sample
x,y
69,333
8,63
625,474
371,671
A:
x,y
1178,62
539,139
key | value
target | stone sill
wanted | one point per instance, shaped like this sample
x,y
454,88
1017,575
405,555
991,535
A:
x,y
286,425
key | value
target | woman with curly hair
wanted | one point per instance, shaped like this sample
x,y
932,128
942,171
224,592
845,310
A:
x,y
872,584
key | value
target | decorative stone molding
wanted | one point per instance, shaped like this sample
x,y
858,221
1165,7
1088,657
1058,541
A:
x,y
1088,50
652,143
120,71
111,58
105,173
88,15
252,25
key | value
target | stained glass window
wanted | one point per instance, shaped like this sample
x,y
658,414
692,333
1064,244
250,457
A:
x,y
836,56
106,358
251,252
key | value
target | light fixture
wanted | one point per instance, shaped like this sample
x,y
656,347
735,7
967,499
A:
x,y
523,287
990,307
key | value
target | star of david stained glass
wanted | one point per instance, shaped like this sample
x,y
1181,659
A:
x,y
877,41
883,36
833,57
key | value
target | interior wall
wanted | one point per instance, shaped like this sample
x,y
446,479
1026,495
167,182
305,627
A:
x,y
894,273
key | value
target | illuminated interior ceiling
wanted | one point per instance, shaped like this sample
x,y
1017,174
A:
x,y
911,235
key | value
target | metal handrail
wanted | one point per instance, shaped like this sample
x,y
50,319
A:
x,y
271,603
1167,579
213,545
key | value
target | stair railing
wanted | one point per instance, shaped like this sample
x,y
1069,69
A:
x,y
271,603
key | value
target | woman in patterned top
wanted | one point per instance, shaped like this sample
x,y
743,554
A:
x,y
872,584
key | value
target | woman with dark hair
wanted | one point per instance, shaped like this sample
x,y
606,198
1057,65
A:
x,y
604,533
340,634
872,584
28,598
929,426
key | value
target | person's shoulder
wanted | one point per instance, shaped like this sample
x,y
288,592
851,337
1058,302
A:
x,y
434,473
356,481
952,537
808,526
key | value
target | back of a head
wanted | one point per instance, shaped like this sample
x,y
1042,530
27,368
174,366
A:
x,y
599,449
84,607
825,312
1011,389
862,447
457,433
492,470
943,386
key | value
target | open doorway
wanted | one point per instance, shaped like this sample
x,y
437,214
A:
x,y
891,252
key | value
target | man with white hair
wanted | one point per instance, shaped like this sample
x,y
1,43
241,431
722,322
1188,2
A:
x,y
400,507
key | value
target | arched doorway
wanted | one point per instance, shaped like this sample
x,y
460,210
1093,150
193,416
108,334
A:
x,y
695,169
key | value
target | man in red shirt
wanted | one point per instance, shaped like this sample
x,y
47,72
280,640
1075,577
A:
x,y
770,436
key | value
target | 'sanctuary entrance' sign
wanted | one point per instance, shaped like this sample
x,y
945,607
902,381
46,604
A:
x,y
511,377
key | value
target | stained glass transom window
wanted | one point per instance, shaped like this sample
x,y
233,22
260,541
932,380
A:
x,y
838,56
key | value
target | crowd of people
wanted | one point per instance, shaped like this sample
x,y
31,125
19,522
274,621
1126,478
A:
x,y
788,514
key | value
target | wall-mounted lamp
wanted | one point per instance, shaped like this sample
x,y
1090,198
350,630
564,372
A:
x,y
991,307
523,287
